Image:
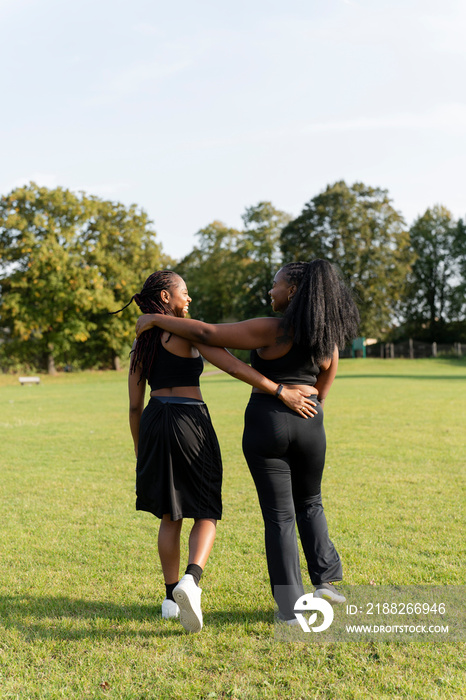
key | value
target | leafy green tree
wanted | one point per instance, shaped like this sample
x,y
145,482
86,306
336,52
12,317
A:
x,y
436,291
65,260
357,228
120,249
260,249
458,304
229,272
214,273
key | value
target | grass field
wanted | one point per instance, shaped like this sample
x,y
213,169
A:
x,y
80,582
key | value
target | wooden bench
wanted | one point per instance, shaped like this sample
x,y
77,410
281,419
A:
x,y
29,380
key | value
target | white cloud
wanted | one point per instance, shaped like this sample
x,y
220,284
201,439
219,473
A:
x,y
42,179
447,29
110,190
104,189
147,29
448,117
143,73
444,117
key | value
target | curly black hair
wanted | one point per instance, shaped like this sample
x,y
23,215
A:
x,y
322,314
150,302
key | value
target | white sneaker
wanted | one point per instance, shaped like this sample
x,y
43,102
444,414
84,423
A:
x,y
188,597
329,592
293,623
169,609
284,620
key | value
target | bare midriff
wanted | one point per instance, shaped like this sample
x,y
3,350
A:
x,y
305,388
189,392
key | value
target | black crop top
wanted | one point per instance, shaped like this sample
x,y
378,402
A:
x,y
296,367
172,370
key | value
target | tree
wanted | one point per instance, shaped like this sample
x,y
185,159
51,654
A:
x,y
120,249
65,261
214,272
260,247
434,294
458,302
230,272
357,228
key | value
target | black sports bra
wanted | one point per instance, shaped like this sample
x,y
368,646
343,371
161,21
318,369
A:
x,y
171,370
296,367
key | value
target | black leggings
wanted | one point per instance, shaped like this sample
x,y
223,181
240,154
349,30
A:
x,y
286,455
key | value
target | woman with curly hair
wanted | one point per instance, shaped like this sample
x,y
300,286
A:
x,y
285,453
179,466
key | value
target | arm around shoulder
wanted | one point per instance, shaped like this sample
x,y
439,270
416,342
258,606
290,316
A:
x,y
243,335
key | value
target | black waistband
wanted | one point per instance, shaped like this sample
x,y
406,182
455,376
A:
x,y
178,399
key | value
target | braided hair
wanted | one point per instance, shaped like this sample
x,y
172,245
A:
x,y
150,302
322,313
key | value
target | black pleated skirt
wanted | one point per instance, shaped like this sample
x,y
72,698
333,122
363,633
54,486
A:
x,y
179,466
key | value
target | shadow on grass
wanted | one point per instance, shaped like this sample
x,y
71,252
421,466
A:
x,y
74,619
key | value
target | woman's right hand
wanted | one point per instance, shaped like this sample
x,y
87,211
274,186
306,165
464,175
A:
x,y
145,323
298,401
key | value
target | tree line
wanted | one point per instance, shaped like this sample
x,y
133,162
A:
x,y
67,259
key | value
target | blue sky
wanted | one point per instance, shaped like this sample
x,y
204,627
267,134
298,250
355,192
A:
x,y
196,110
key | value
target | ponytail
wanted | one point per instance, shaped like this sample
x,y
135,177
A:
x,y
150,302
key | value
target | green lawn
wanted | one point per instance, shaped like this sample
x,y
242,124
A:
x,y
80,581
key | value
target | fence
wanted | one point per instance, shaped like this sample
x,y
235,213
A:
x,y
409,349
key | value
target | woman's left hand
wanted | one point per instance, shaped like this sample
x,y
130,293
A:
x,y
144,323
298,402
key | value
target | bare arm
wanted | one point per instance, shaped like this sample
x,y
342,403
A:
x,y
293,398
244,335
136,404
326,376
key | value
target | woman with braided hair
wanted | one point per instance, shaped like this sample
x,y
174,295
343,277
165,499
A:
x,y
179,466
285,453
